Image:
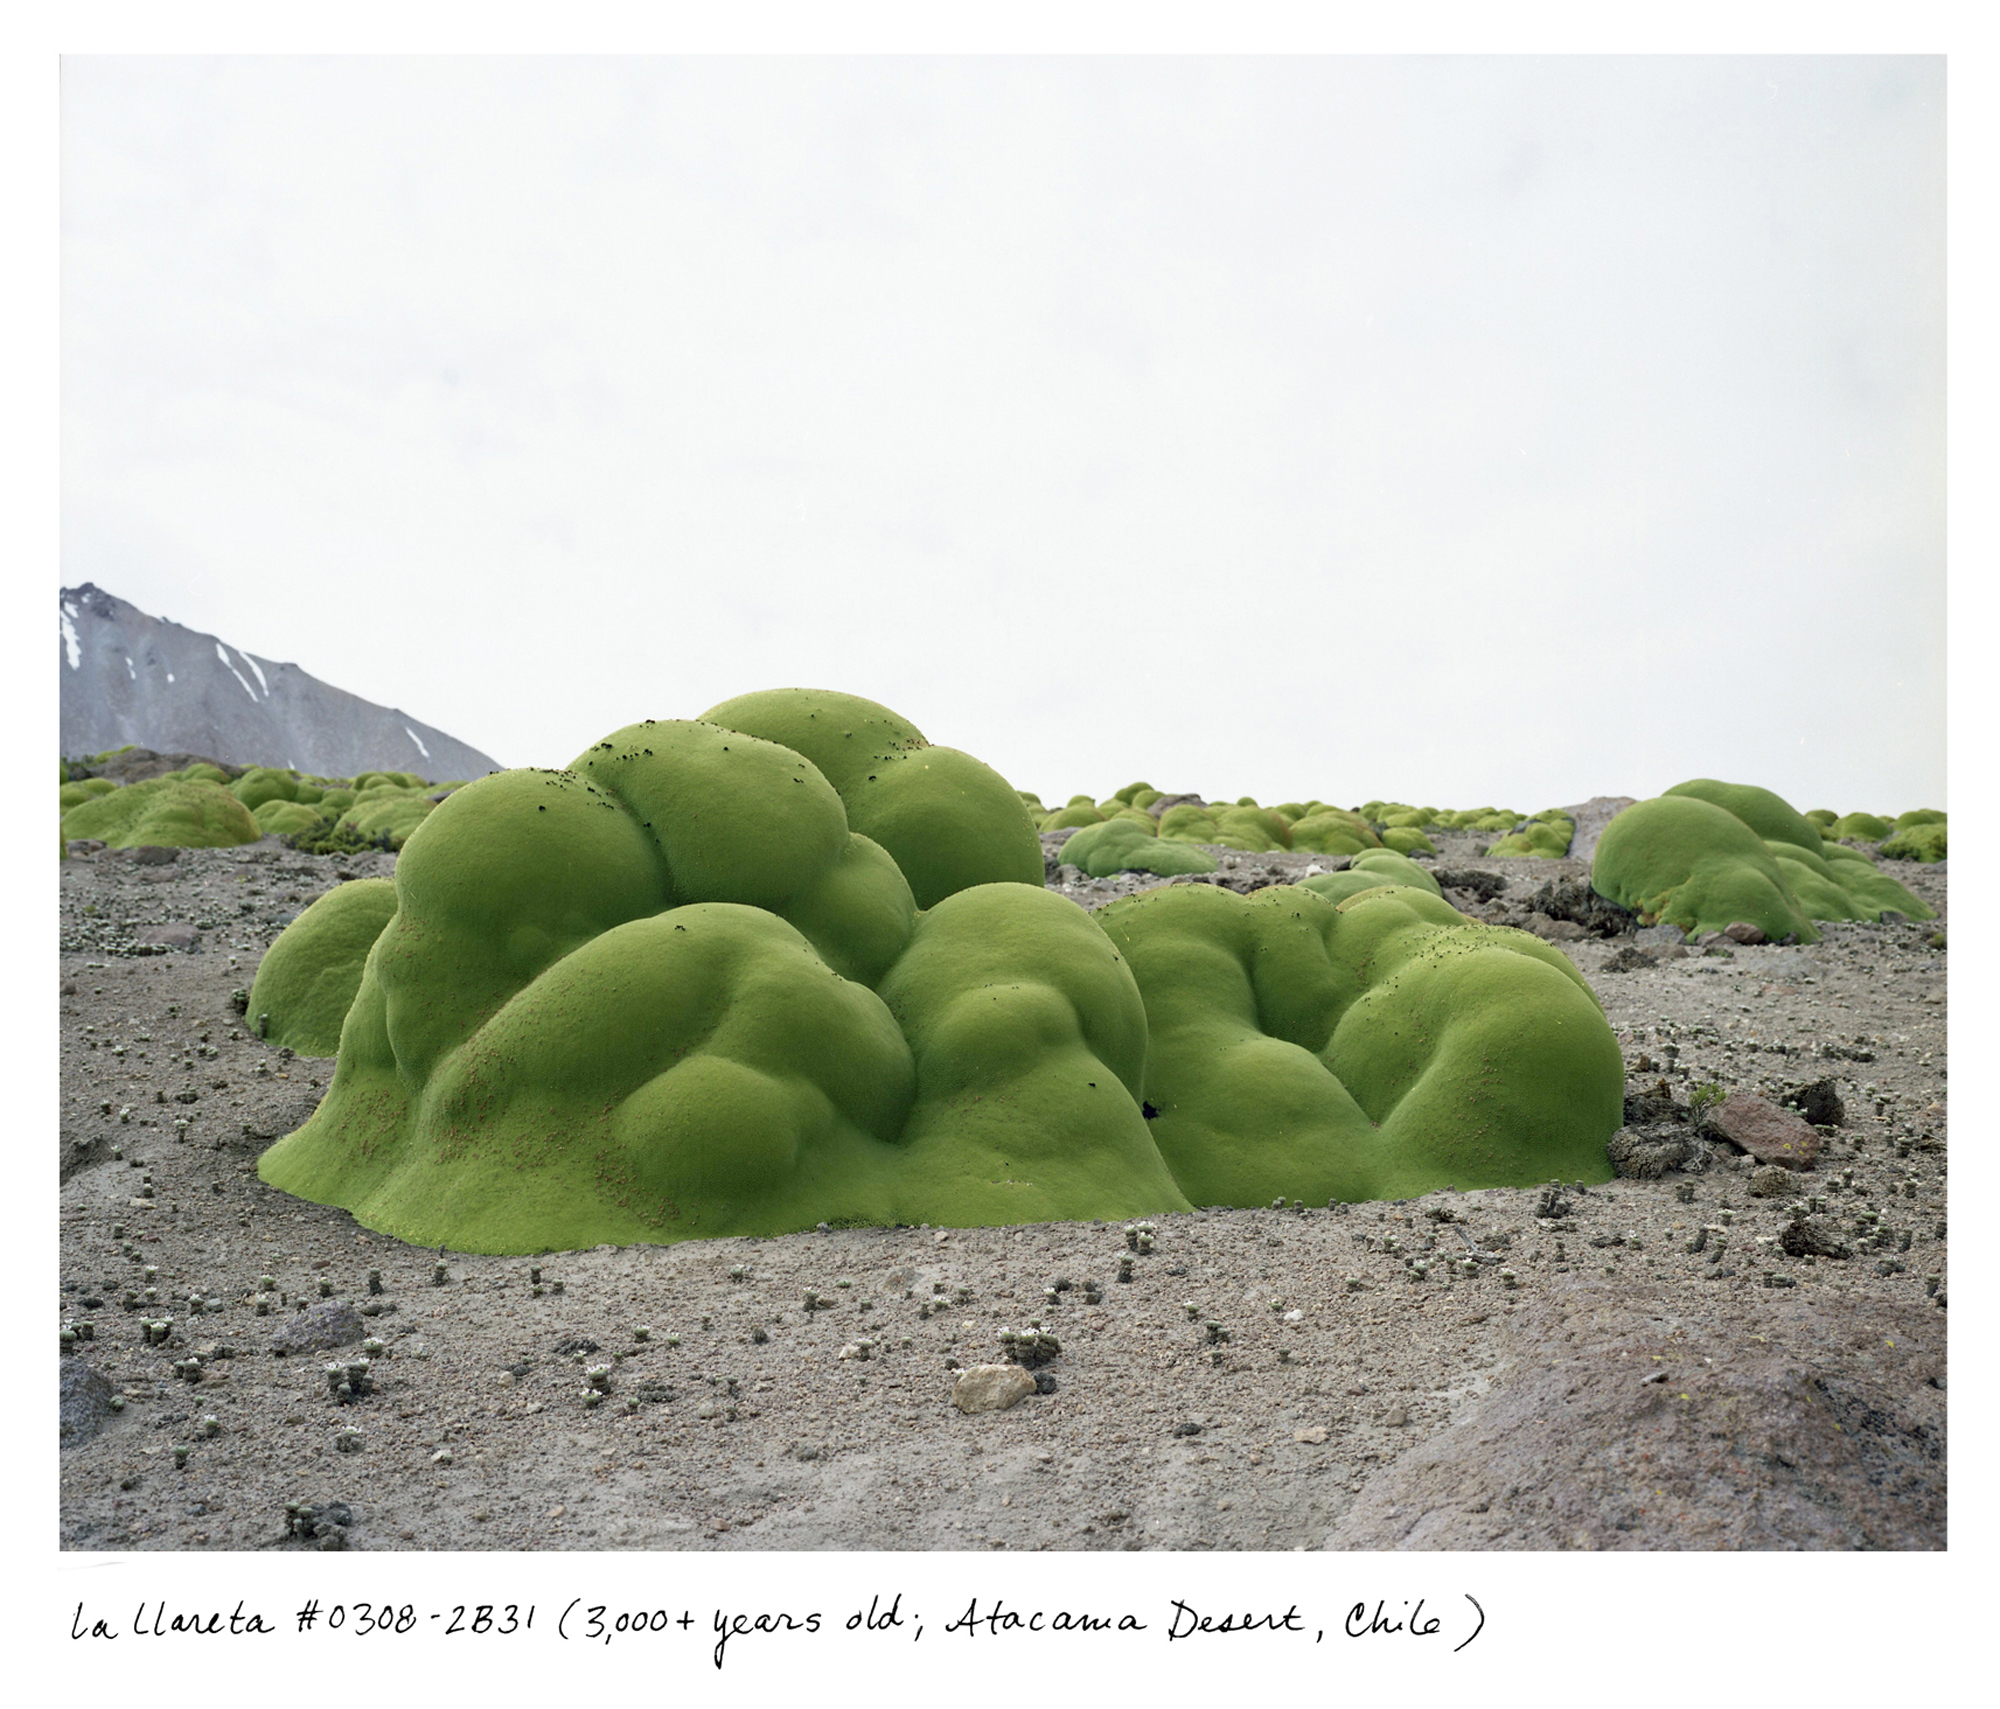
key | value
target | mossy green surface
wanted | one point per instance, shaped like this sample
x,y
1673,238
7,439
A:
x,y
1407,840
949,821
173,811
388,810
1547,836
1370,871
1330,831
265,783
1377,1049
85,789
670,991
1685,858
1686,861
607,1008
1122,844
285,818
1771,816
306,983
1924,842
1862,827
1188,823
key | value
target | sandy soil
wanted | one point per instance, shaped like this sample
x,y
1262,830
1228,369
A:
x,y
1623,1393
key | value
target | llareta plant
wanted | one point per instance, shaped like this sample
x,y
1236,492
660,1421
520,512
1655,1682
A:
x,y
790,963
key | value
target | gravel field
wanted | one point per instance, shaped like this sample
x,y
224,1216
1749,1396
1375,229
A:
x,y
1641,1365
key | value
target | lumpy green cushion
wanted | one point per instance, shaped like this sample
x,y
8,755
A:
x,y
285,818
671,992
1547,836
1370,871
1123,845
1685,858
1771,816
387,811
264,783
947,820
307,980
1686,861
172,811
1379,1049
1925,842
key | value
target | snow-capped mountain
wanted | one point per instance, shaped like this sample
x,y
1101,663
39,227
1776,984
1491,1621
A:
x,y
128,677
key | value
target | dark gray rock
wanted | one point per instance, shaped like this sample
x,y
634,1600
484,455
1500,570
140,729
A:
x,y
85,1406
1573,899
1813,1237
1818,1101
1646,1105
319,1329
1628,960
1484,885
243,711
1645,1154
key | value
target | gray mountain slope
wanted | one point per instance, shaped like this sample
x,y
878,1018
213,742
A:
x,y
128,677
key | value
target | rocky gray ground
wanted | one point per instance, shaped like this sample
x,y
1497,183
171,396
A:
x,y
1624,1392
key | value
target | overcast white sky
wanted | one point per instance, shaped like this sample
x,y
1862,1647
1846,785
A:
x,y
1454,430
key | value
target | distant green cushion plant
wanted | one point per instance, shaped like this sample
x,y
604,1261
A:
x,y
1924,842
1546,836
1371,871
1122,844
1407,840
175,811
1705,855
676,989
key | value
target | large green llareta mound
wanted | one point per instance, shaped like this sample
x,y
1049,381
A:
x,y
1689,858
173,811
671,991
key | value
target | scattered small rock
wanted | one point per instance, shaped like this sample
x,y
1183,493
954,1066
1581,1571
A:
x,y
1645,1154
320,1329
1768,1133
1814,1237
85,1407
1818,1101
991,1388
1629,960
1772,1182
